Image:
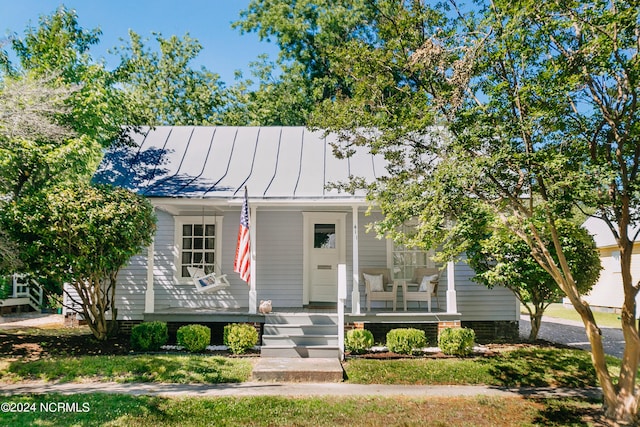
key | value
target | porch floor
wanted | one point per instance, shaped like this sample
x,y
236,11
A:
x,y
241,314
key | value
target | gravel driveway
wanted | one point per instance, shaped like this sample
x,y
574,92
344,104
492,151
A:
x,y
572,333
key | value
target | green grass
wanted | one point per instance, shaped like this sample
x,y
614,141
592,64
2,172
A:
x,y
607,320
123,410
138,368
531,366
528,366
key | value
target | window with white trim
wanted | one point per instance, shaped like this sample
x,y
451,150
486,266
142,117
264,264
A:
x,y
407,259
198,244
403,260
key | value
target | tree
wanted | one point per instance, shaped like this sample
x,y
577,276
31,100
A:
x,y
502,259
161,88
306,32
279,100
36,148
82,235
58,50
527,110
57,111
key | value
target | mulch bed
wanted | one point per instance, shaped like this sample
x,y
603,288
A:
x,y
31,346
23,344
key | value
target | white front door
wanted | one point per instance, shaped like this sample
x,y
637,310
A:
x,y
324,245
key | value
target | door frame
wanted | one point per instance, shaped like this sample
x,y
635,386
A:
x,y
309,219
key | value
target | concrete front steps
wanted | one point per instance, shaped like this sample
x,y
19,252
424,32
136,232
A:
x,y
300,335
299,347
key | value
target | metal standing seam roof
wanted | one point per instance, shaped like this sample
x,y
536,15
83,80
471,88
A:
x,y
219,161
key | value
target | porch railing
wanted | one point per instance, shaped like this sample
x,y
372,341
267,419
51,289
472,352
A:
x,y
25,291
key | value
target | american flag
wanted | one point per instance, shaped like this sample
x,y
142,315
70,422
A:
x,y
242,263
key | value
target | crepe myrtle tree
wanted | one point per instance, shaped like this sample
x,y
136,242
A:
x,y
528,109
82,235
503,259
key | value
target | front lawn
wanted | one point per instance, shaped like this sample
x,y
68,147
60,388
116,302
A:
x,y
525,365
124,410
31,355
169,368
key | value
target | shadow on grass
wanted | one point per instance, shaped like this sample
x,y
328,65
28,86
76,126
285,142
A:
x,y
570,412
541,367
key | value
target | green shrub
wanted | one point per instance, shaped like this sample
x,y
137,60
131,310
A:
x,y
240,337
406,340
194,338
149,336
358,341
457,341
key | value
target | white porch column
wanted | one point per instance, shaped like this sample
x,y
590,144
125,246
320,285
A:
x,y
452,304
253,294
149,295
342,299
355,292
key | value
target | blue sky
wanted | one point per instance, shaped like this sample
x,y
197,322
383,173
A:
x,y
208,21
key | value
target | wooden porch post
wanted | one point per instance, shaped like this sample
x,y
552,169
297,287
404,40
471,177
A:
x,y
253,294
342,299
452,304
149,295
355,291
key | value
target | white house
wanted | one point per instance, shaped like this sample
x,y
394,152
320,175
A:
x,y
195,177
607,294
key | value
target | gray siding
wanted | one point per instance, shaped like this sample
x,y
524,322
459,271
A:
x,y
279,257
171,292
372,252
477,302
280,271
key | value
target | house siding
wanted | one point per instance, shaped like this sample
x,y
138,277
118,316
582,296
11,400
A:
x,y
477,302
607,293
280,272
171,292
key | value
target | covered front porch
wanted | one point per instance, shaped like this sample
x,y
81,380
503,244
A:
x,y
288,266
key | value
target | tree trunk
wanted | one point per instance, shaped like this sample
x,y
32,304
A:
x,y
96,301
536,320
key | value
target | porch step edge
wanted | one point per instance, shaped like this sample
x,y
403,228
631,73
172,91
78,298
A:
x,y
298,370
292,351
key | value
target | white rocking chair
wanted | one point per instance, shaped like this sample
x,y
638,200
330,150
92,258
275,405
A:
x,y
207,282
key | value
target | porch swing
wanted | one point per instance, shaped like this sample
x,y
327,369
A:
x,y
207,282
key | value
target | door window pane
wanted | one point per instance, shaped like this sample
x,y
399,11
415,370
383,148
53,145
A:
x,y
324,236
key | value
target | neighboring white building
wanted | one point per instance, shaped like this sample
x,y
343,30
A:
x,y
607,294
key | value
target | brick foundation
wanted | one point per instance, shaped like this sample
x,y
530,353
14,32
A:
x,y
451,324
486,331
494,330
71,321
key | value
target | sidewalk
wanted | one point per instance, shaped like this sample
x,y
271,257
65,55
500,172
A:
x,y
288,389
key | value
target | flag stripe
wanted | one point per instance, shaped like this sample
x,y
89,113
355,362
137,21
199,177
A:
x,y
242,262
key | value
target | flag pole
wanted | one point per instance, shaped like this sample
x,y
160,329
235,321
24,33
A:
x,y
253,293
244,263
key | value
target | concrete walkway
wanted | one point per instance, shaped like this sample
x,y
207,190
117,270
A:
x,y
287,389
